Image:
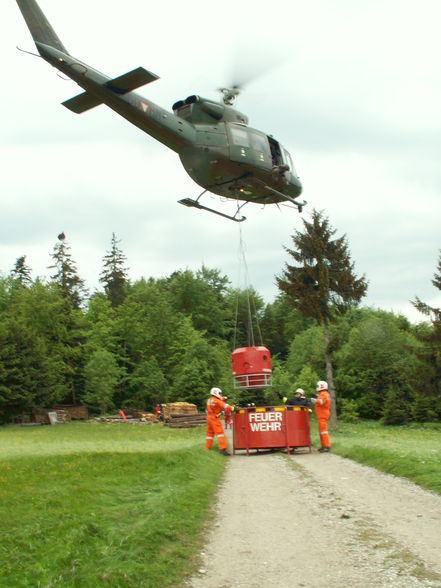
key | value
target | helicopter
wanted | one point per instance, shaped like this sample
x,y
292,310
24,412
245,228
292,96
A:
x,y
217,148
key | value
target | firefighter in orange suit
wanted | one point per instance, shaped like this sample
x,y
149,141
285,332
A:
x,y
215,405
322,411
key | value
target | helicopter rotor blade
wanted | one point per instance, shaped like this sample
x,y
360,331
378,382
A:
x,y
248,67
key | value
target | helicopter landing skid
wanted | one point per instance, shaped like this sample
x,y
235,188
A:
x,y
299,205
195,204
283,196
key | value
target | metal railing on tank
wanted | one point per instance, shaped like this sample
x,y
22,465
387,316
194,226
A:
x,y
252,381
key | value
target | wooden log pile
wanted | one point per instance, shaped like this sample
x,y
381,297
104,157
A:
x,y
144,416
40,417
48,417
185,421
117,418
75,412
58,417
178,408
63,416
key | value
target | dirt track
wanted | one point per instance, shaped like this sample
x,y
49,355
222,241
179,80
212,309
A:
x,y
316,520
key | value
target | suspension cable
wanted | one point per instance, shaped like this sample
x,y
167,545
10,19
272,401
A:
x,y
251,307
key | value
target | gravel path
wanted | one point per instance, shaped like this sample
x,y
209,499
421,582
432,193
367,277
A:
x,y
316,520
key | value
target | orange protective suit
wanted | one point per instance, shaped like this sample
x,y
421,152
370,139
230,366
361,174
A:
x,y
214,425
322,411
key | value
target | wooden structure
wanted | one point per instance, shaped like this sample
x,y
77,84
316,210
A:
x,y
185,421
178,408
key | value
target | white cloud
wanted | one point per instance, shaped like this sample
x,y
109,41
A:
x,y
355,97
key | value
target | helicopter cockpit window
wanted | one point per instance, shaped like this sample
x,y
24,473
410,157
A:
x,y
259,143
240,137
289,162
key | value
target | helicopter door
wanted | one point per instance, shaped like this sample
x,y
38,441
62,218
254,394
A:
x,y
276,152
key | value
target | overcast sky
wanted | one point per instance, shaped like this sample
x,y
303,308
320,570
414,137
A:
x,y
354,95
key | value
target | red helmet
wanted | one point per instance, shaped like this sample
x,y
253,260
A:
x,y
216,392
322,385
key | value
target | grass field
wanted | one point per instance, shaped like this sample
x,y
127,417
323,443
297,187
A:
x,y
91,504
88,504
412,451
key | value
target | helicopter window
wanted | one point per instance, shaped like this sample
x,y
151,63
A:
x,y
259,143
240,137
288,160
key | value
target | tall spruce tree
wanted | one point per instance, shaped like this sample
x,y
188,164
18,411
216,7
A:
x,y
21,272
114,274
428,403
322,283
433,313
66,276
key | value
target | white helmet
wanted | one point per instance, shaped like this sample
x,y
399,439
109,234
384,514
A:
x,y
216,392
322,385
300,390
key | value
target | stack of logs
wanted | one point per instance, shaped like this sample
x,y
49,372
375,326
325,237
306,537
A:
x,y
75,412
181,415
63,416
65,413
144,417
185,421
174,408
42,417
135,416
177,415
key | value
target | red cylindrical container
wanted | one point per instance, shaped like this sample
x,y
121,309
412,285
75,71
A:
x,y
251,367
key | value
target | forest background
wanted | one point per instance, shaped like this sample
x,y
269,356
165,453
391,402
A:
x,y
134,345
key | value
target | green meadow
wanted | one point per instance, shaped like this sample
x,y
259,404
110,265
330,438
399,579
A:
x,y
92,504
411,451
87,504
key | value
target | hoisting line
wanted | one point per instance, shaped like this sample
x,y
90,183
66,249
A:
x,y
243,263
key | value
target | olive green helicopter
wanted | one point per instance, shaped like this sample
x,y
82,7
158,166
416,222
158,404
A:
x,y
217,148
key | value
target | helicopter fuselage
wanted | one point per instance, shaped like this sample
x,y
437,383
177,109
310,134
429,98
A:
x,y
232,159
216,146
237,162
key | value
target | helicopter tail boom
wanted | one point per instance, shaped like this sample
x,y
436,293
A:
x,y
39,26
116,93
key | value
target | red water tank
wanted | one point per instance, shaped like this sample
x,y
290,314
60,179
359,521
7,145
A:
x,y
251,367
270,427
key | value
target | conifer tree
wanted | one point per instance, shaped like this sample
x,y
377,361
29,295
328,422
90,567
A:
x,y
21,272
102,375
67,278
114,274
321,283
396,409
428,398
433,313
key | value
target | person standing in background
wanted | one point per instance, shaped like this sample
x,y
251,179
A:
x,y
322,410
215,405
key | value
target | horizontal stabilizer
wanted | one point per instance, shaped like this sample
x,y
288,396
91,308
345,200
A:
x,y
82,102
39,26
131,80
120,85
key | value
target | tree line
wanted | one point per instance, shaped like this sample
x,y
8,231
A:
x,y
135,344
